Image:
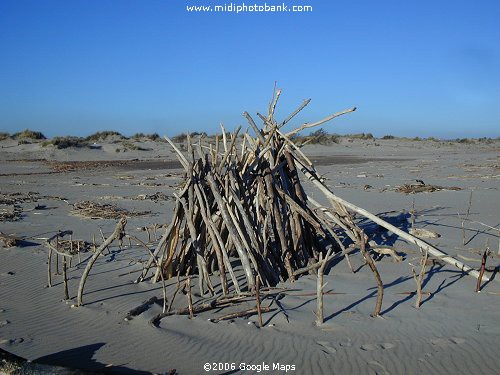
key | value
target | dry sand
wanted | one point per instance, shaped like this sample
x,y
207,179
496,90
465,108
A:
x,y
455,331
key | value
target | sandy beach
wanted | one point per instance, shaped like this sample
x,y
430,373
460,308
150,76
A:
x,y
455,331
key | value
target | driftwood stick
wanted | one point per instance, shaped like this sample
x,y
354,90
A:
x,y
65,279
240,314
254,127
140,309
319,287
294,113
215,242
464,242
202,265
180,156
164,288
317,264
214,304
189,297
161,244
232,231
419,279
177,288
412,239
481,272
257,298
320,122
272,106
371,264
49,268
118,233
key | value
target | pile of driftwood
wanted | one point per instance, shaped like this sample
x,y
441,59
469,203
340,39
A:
x,y
243,199
423,188
102,211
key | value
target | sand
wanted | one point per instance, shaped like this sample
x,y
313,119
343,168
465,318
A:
x,y
455,331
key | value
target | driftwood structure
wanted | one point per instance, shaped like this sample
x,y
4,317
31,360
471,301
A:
x,y
243,198
242,205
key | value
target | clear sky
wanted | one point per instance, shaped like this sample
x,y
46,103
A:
x,y
414,68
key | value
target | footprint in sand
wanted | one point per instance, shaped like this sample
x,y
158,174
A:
x,y
387,345
370,347
446,342
4,323
18,340
327,347
346,344
378,367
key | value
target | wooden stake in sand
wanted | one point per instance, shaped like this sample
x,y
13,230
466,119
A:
x,y
483,267
257,298
419,279
189,297
371,264
320,286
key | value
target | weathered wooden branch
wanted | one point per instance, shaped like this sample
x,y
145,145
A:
x,y
319,287
240,314
257,298
419,279
373,267
117,234
141,308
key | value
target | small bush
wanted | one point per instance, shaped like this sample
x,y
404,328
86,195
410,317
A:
x,y
433,139
388,137
486,140
66,142
464,140
30,134
132,146
23,141
202,134
320,136
103,135
180,138
361,136
4,136
151,137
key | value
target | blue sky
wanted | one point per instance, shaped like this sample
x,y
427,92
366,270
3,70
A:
x,y
426,68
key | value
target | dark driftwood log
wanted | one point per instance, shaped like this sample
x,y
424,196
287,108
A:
x,y
196,309
141,308
257,298
65,279
481,271
240,314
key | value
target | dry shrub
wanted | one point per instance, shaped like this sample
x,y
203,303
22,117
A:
x,y
30,134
